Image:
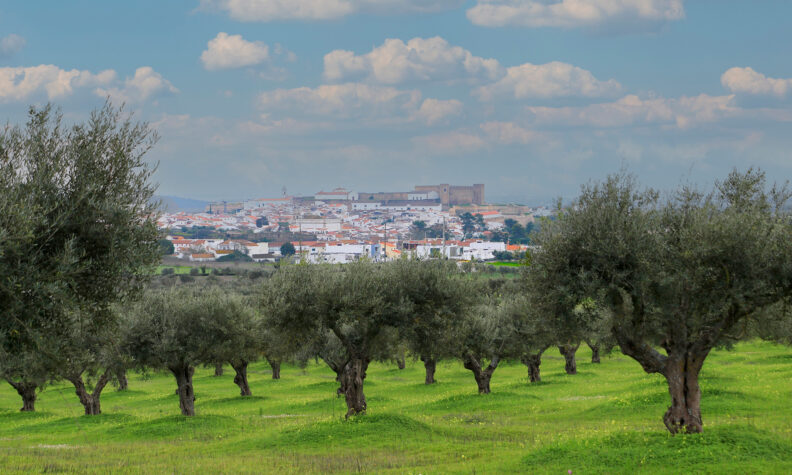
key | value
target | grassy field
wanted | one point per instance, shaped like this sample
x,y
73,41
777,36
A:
x,y
606,419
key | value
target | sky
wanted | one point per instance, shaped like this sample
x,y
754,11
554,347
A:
x,y
530,97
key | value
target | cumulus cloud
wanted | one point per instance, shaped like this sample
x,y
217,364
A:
x,y
144,84
340,100
630,110
748,81
433,111
232,51
420,59
273,10
23,83
551,80
11,44
573,13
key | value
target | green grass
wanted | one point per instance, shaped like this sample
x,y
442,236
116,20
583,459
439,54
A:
x,y
505,264
606,419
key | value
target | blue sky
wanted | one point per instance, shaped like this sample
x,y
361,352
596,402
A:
x,y
530,97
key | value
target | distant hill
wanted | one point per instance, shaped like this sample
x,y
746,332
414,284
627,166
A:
x,y
175,204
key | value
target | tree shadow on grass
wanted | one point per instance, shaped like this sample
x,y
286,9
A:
x,y
70,425
177,427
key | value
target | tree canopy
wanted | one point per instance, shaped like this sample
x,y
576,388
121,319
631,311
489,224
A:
x,y
684,273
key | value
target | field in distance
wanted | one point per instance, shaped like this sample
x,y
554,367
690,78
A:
x,y
605,419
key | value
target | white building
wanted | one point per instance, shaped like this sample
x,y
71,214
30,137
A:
x,y
320,224
482,250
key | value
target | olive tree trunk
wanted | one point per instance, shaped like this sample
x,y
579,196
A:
x,y
595,353
352,384
533,361
89,400
338,369
568,351
482,375
431,365
681,368
240,379
400,363
218,369
123,381
275,364
184,374
682,374
27,391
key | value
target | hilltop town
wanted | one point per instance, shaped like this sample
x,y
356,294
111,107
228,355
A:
x,y
340,226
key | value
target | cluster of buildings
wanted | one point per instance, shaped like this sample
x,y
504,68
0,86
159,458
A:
x,y
341,226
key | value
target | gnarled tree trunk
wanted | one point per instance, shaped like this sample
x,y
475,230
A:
x,y
482,375
338,369
431,365
27,391
681,368
682,373
123,381
568,351
533,361
400,363
240,379
89,400
352,383
218,369
595,353
275,364
184,375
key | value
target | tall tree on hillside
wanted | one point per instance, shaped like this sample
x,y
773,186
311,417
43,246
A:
x,y
77,225
685,273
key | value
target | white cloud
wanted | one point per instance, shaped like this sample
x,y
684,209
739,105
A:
x,y
232,51
549,80
509,133
144,84
22,83
420,59
573,13
273,10
450,142
341,100
433,111
683,112
748,81
11,44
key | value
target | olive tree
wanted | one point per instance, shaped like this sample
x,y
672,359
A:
x,y
681,273
28,373
176,329
483,333
531,332
356,302
77,227
232,330
435,293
